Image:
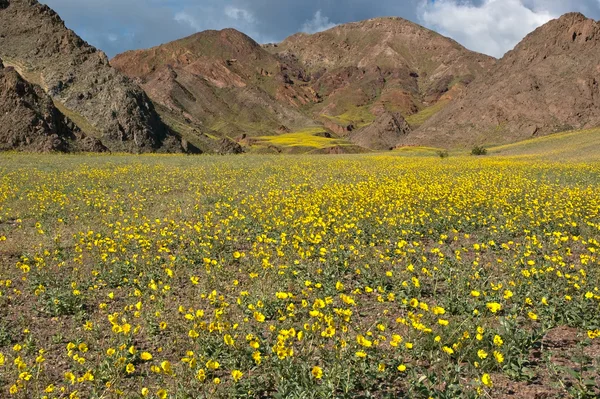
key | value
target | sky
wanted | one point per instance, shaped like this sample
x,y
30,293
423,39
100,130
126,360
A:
x,y
488,26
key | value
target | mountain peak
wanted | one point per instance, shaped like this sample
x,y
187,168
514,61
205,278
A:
x,y
560,35
572,17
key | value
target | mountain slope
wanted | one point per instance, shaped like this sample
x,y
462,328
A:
x,y
29,120
102,102
222,83
385,64
550,82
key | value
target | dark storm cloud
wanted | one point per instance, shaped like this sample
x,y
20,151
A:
x,y
489,26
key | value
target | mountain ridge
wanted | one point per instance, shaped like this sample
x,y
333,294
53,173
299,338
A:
x,y
378,84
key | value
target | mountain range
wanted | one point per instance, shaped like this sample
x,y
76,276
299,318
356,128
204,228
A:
x,y
365,86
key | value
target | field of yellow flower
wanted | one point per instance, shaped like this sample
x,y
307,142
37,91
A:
x,y
368,276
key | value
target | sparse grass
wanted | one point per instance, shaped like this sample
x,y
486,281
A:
x,y
79,120
358,116
184,130
579,145
422,116
417,151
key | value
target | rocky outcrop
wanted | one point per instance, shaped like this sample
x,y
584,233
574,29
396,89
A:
x,y
550,82
388,130
228,146
101,101
29,121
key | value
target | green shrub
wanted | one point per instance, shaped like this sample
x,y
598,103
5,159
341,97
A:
x,y
479,150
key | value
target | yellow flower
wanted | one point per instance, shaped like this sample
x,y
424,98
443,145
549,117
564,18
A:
x,y
437,310
532,316
360,354
498,340
201,375
236,374
212,365
162,394
498,356
130,368
145,392
317,372
482,354
145,356
166,367
487,380
259,317
401,368
448,350
362,341
228,339
494,307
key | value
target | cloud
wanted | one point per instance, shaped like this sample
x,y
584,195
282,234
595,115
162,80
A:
x,y
318,23
492,27
239,14
188,19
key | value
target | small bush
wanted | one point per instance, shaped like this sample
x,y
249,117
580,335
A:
x,y
443,153
478,150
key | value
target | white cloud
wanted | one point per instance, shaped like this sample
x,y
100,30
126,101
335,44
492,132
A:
x,y
185,18
318,23
493,27
239,14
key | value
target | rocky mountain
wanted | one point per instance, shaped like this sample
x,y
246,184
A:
x,y
222,83
374,85
550,82
384,64
30,121
102,102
